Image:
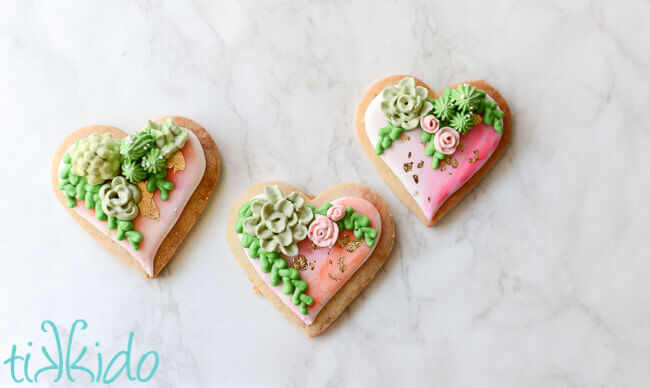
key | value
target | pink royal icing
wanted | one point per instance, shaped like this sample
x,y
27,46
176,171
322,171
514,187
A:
x,y
155,231
328,268
432,187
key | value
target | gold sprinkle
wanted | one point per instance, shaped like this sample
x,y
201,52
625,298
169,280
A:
x,y
300,263
421,163
343,241
176,162
353,245
477,119
341,264
409,154
147,205
333,277
475,158
416,178
404,138
428,199
408,166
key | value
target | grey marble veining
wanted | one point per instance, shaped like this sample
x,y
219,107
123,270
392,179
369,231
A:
x,y
538,278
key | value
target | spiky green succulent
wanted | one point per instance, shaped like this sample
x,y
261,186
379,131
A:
x,y
153,161
461,122
136,145
443,108
134,171
467,98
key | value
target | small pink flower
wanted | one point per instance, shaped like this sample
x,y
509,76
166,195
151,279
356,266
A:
x,y
323,232
430,124
336,212
446,140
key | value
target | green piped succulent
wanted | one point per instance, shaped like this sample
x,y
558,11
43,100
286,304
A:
x,y
443,108
461,122
133,171
279,222
120,199
405,103
136,145
96,157
169,137
467,98
153,161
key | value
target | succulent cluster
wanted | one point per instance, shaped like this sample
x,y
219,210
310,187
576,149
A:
x,y
406,106
146,152
458,106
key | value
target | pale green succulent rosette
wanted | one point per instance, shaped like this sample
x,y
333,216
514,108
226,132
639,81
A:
x,y
96,157
405,103
169,137
279,222
120,198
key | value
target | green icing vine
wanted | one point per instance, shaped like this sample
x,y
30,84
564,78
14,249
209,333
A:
x,y
430,150
76,188
158,181
273,264
492,115
387,135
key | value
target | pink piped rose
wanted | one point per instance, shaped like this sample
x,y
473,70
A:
x,y
336,212
323,232
430,124
446,140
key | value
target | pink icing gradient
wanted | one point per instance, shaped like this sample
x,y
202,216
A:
x,y
434,186
155,231
321,286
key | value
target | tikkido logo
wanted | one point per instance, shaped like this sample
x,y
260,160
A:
x,y
58,363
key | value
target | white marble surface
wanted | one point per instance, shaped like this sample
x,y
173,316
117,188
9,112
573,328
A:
x,y
539,278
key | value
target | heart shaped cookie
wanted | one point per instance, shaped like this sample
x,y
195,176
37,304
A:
x,y
310,256
137,195
432,149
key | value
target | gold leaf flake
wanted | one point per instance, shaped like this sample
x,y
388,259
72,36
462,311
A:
x,y
147,205
176,162
300,263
